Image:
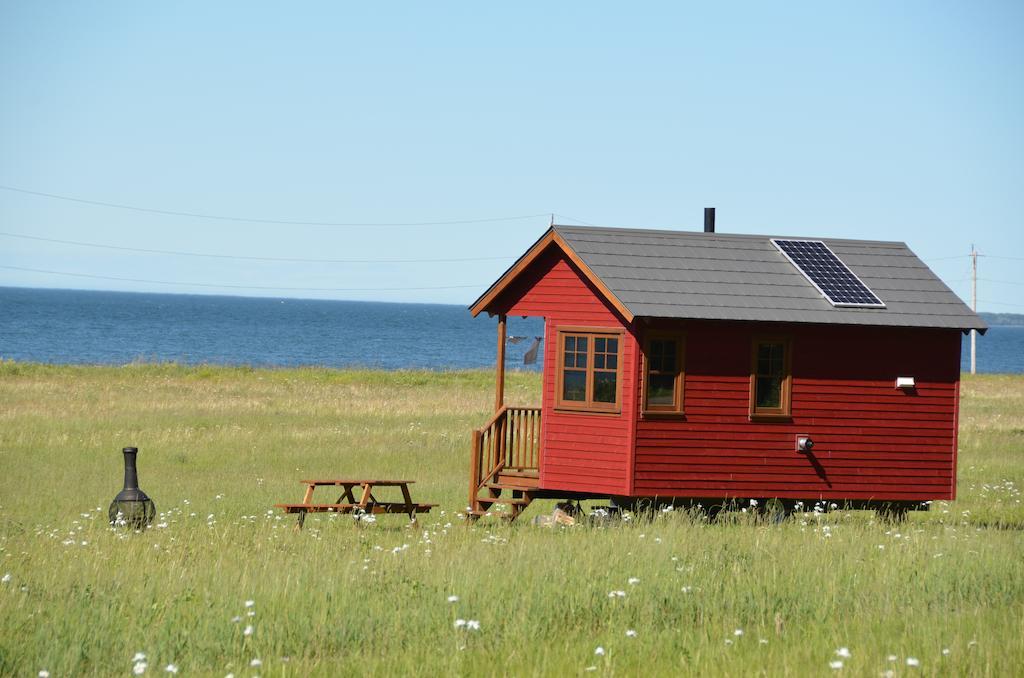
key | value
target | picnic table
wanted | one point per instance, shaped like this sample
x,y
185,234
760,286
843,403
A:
x,y
366,504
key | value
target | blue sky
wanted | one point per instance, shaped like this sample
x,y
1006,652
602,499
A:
x,y
892,121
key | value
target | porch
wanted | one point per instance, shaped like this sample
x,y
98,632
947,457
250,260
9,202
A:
x,y
506,451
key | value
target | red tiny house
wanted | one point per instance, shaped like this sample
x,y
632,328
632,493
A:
x,y
673,373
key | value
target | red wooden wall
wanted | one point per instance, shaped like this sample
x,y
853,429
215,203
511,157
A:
x,y
580,452
872,441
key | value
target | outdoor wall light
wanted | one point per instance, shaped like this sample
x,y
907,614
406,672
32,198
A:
x,y
804,444
905,382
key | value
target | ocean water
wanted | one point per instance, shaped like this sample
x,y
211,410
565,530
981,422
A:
x,y
71,326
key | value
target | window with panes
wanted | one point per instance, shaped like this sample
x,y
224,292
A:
x,y
589,370
770,378
663,377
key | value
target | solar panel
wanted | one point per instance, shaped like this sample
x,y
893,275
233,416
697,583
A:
x,y
828,273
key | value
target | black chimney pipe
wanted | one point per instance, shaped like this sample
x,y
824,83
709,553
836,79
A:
x,y
709,219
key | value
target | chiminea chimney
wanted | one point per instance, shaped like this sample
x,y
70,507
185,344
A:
x,y
709,219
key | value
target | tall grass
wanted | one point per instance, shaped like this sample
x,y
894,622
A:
x,y
219,446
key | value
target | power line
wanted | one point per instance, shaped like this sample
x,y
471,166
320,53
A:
x,y
579,221
284,222
245,258
244,287
1001,282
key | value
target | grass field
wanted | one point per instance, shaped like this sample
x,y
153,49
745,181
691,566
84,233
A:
x,y
942,594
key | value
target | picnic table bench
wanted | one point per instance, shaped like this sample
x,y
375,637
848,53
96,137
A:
x,y
367,503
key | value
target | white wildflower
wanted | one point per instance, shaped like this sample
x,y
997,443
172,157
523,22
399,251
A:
x,y
892,657
453,599
945,651
139,657
843,652
171,668
6,578
460,623
617,594
248,630
837,664
139,668
250,603
256,662
44,674
473,624
687,589
912,661
599,651
738,632
631,633
633,581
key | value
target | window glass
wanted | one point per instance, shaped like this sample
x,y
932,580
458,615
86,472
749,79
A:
x,y
604,387
770,378
575,352
661,389
769,392
574,385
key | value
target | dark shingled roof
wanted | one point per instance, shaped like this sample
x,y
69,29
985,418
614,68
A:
x,y
718,276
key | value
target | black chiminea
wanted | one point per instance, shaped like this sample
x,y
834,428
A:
x,y
131,506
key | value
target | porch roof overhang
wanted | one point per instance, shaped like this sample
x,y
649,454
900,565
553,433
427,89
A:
x,y
550,239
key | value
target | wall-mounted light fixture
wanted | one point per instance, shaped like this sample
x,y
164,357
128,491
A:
x,y
804,444
905,382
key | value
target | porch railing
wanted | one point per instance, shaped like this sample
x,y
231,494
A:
x,y
510,441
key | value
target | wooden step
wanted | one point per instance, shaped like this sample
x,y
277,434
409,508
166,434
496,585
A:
x,y
520,472
518,480
515,487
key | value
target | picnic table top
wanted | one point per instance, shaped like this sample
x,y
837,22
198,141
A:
x,y
357,482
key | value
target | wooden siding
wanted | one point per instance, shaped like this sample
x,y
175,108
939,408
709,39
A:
x,y
872,441
580,452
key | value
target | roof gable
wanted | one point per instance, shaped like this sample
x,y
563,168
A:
x,y
550,239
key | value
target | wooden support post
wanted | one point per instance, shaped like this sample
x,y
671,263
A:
x,y
499,387
474,470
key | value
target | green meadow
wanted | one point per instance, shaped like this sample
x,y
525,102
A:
x,y
223,584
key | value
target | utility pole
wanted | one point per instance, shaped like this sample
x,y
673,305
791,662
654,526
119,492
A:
x,y
974,299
